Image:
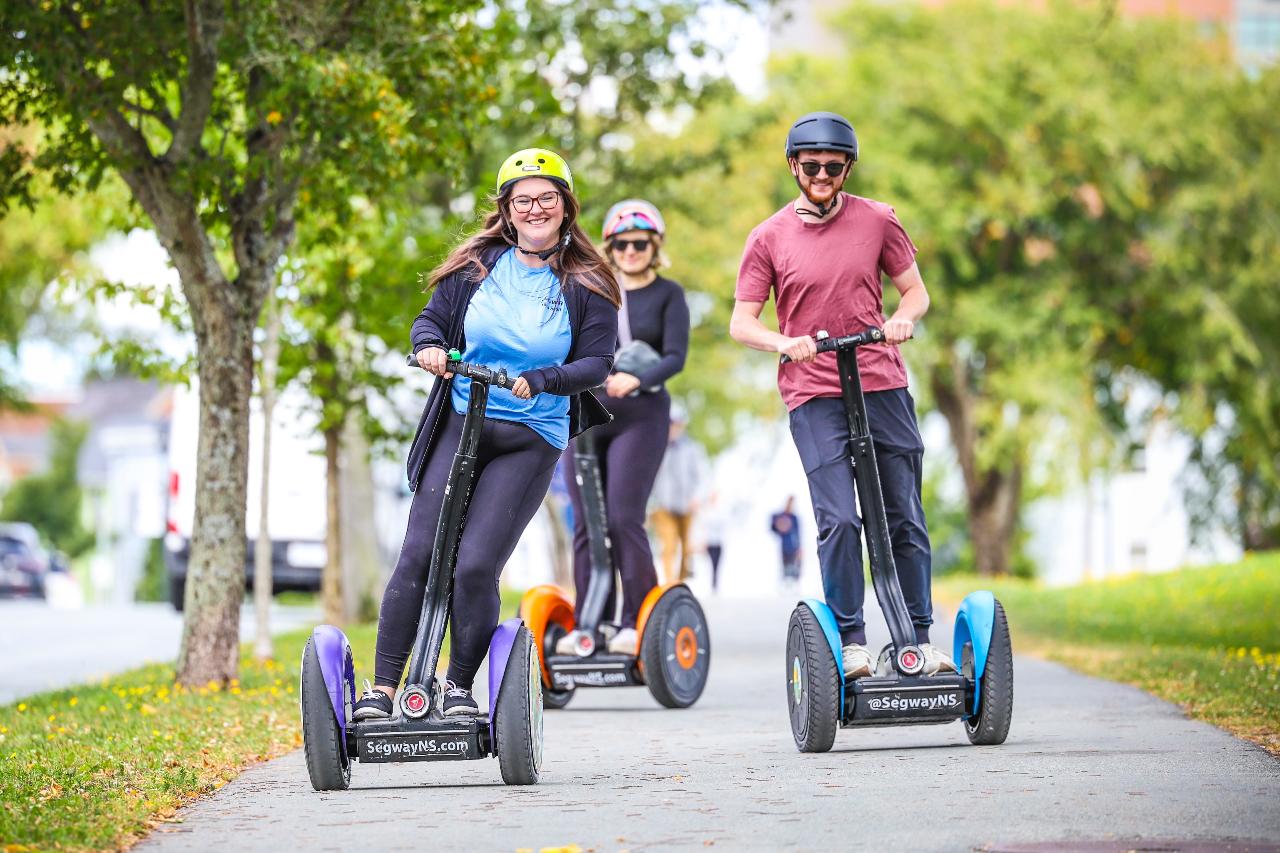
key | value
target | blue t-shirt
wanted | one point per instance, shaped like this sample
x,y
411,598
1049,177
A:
x,y
518,319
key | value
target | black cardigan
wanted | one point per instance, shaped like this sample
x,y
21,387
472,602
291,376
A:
x,y
593,324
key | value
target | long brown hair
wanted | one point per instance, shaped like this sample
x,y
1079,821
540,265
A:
x,y
578,263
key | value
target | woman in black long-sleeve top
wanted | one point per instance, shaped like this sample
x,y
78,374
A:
x,y
630,448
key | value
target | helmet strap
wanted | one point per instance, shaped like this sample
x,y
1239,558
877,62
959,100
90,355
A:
x,y
546,253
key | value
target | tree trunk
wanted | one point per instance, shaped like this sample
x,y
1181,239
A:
x,y
993,520
362,582
262,581
331,582
216,571
993,495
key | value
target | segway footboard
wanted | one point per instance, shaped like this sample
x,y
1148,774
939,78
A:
x,y
906,700
569,672
427,739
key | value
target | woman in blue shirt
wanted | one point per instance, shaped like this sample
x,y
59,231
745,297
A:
x,y
530,294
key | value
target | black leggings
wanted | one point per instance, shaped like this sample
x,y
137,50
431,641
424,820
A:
x,y
512,475
630,450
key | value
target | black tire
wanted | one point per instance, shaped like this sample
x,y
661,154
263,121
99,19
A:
x,y
554,699
813,688
990,726
676,649
177,589
519,714
328,764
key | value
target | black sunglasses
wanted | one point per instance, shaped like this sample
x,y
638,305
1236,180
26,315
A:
x,y
641,245
812,168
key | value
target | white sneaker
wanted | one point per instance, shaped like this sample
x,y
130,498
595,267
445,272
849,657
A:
x,y
936,660
857,661
568,644
625,642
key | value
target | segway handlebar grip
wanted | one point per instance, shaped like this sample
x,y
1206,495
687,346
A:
x,y
475,372
826,343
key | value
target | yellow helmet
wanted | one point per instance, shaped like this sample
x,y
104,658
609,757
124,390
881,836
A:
x,y
535,163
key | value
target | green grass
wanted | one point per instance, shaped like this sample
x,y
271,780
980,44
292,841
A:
x,y
99,765
1203,638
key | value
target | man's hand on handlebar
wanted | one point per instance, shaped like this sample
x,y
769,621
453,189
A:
x,y
435,361
801,349
897,331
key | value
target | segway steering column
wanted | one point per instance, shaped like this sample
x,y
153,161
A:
x,y
907,659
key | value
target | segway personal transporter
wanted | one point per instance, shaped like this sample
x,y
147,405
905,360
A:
x,y
674,643
819,695
512,728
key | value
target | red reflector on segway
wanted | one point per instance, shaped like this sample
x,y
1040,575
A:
x,y
909,660
414,702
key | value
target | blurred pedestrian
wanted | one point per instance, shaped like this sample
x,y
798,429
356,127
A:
x,y
711,524
675,496
786,526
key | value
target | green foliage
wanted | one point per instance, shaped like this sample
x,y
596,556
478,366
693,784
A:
x,y
38,246
52,501
1056,232
360,271
1204,638
96,766
1207,326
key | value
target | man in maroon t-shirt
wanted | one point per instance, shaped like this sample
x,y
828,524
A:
x,y
822,257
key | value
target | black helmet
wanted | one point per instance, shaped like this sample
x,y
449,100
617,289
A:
x,y
822,132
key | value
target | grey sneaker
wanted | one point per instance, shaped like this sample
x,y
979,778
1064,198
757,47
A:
x,y
936,660
857,661
625,642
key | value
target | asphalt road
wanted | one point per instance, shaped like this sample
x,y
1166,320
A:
x,y
44,648
1089,765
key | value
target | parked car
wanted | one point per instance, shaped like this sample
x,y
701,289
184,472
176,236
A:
x,y
24,564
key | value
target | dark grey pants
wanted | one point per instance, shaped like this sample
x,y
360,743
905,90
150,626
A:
x,y
821,434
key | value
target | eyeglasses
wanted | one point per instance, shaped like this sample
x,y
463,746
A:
x,y
812,168
641,245
546,201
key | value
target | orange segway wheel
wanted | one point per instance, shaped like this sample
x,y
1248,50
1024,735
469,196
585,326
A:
x,y
541,608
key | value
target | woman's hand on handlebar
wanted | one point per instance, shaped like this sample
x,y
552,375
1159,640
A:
x,y
435,361
897,330
801,349
521,389
620,384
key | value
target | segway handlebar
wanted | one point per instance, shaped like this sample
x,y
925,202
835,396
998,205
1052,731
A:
x,y
826,343
475,372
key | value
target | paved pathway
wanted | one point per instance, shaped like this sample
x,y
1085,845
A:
x,y
44,648
1088,765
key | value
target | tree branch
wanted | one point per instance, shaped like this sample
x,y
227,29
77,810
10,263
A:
x,y
162,117
204,27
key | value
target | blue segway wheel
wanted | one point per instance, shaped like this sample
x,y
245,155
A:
x,y
813,689
328,764
990,726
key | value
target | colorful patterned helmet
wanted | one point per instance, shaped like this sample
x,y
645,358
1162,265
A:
x,y
633,215
535,163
